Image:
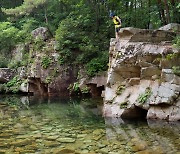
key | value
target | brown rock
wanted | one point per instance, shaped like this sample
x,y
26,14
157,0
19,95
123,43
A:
x,y
64,151
134,81
51,143
148,72
21,142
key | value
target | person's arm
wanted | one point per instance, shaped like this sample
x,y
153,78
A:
x,y
119,20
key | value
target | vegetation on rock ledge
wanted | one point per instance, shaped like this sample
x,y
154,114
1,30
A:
x,y
82,28
145,96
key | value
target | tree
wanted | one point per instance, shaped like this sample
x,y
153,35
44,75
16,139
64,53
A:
x,y
8,4
8,37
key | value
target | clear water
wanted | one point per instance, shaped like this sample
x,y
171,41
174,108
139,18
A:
x,y
76,126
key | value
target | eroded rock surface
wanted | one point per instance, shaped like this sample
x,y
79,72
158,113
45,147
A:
x,y
41,32
6,75
141,77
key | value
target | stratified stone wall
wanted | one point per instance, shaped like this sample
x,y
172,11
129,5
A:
x,y
141,78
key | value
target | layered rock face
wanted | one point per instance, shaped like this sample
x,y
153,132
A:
x,y
42,74
143,80
46,77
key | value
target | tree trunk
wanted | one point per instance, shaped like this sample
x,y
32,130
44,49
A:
x,y
149,12
45,15
135,5
131,12
161,12
168,19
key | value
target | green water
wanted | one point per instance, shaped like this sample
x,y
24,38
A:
x,y
76,126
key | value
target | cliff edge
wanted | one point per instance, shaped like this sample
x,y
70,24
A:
x,y
143,76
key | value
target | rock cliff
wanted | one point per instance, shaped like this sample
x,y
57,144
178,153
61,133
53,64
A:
x,y
143,76
37,69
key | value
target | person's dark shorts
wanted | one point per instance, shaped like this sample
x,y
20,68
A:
x,y
118,29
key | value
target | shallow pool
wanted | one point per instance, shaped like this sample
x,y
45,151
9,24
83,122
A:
x,y
76,126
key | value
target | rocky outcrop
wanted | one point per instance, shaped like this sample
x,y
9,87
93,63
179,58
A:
x,y
40,72
6,75
41,32
46,76
95,85
142,80
173,27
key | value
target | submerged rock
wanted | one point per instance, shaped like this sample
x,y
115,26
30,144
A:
x,y
51,143
64,151
66,140
21,142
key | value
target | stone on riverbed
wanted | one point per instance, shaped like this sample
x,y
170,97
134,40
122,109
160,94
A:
x,y
66,140
64,151
51,143
52,137
21,142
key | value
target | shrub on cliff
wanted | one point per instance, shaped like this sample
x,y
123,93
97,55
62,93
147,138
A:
x,y
176,42
3,62
13,85
97,65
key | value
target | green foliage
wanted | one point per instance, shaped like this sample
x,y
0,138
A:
x,y
120,89
14,64
172,56
3,62
82,46
13,101
48,79
75,87
176,42
145,96
176,70
13,85
82,28
38,44
97,65
9,36
25,9
65,57
46,62
25,59
55,72
85,90
26,26
124,105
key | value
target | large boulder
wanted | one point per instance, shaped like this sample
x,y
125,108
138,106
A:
x,y
145,35
41,32
173,27
53,80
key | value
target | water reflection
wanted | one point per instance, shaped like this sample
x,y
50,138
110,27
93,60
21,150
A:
x,y
157,136
59,125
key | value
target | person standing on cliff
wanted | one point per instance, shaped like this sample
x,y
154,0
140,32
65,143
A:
x,y
117,23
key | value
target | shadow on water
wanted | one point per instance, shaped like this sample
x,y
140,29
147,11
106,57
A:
x,y
62,125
